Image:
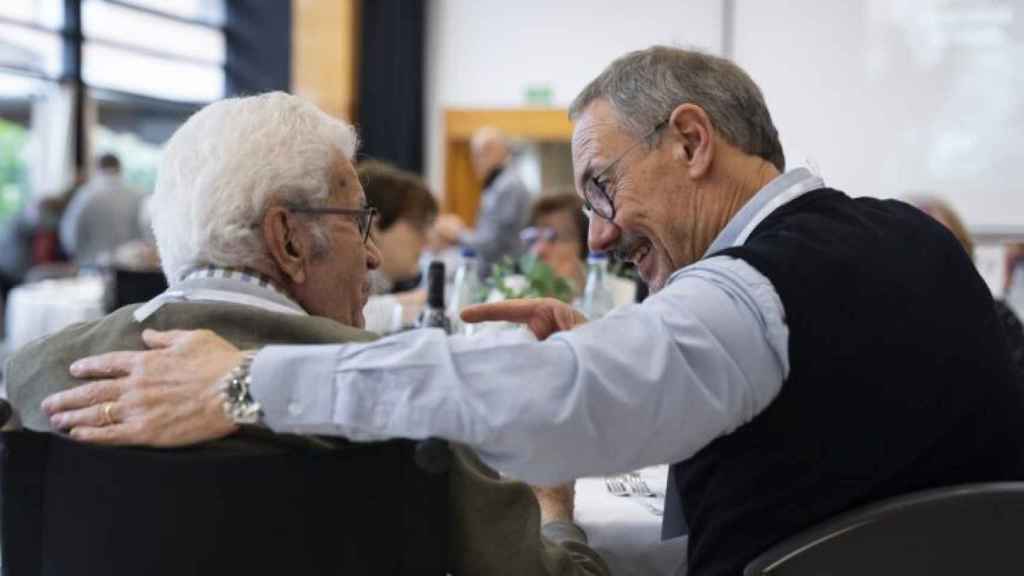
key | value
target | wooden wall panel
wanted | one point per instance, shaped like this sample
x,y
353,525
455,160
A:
x,y
541,124
462,196
462,190
325,54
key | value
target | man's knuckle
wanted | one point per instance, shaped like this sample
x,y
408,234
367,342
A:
x,y
91,394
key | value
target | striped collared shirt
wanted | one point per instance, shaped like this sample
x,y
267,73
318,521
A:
x,y
220,284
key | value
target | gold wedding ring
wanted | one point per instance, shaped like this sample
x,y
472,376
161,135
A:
x,y
109,418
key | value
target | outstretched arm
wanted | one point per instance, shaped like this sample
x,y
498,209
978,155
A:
x,y
647,384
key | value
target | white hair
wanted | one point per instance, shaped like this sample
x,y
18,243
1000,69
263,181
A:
x,y
222,168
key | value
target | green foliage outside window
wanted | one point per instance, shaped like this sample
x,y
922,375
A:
x,y
13,171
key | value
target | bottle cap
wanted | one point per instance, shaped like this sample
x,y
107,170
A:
x,y
597,256
468,252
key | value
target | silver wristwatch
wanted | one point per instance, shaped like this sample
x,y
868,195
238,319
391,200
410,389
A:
x,y
239,405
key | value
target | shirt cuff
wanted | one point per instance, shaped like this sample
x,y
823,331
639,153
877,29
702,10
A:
x,y
294,385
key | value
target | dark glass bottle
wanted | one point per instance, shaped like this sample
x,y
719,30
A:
x,y
434,316
433,454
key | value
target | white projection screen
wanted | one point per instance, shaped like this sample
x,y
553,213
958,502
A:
x,y
895,97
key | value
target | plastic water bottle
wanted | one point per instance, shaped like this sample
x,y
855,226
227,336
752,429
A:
x,y
433,316
465,291
598,299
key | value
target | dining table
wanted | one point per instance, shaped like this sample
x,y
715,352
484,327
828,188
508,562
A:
x,y
42,308
621,515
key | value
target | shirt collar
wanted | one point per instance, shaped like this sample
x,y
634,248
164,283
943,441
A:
x,y
782,189
216,284
244,275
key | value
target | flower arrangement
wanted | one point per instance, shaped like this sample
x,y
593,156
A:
x,y
535,279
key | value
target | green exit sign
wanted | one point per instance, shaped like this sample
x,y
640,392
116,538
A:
x,y
539,95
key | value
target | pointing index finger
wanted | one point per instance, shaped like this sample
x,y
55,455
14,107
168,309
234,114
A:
x,y
509,311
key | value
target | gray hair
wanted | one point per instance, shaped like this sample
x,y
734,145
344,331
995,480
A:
x,y
643,87
223,167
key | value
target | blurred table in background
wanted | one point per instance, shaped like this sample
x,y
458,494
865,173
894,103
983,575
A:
x,y
626,530
41,308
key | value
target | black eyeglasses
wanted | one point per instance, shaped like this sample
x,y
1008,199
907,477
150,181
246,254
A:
x,y
596,198
363,216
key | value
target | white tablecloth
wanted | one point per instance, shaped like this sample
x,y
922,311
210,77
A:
x,y
624,529
42,308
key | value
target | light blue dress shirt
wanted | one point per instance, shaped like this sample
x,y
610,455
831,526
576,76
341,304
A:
x,y
650,383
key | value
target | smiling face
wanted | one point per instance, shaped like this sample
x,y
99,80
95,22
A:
x,y
673,194
653,197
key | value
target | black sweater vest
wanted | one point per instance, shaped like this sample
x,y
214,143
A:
x,y
898,381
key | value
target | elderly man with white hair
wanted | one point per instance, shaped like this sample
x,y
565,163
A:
x,y
264,235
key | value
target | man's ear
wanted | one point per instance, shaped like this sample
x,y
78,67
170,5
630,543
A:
x,y
694,143
285,244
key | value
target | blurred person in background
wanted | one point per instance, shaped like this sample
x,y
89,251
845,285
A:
x,y
1012,327
557,236
141,253
29,240
504,204
16,236
406,212
102,215
268,240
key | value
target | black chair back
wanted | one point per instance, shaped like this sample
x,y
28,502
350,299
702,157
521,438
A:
x,y
245,507
974,529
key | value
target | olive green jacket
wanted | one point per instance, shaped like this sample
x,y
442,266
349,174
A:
x,y
494,524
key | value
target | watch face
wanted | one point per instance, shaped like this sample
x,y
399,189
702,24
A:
x,y
250,417
244,411
240,406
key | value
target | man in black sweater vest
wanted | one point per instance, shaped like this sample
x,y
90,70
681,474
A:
x,y
802,353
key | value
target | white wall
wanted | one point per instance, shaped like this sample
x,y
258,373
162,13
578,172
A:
x,y
883,97
888,97
484,53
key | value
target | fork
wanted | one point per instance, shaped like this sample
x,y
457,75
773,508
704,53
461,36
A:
x,y
616,486
638,486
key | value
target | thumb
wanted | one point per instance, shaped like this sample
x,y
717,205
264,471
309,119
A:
x,y
165,339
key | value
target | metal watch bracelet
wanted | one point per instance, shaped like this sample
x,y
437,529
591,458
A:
x,y
239,405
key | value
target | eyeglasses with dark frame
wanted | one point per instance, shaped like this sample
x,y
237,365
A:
x,y
596,199
363,216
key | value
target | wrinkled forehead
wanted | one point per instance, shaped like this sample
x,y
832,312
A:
x,y
597,134
345,183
